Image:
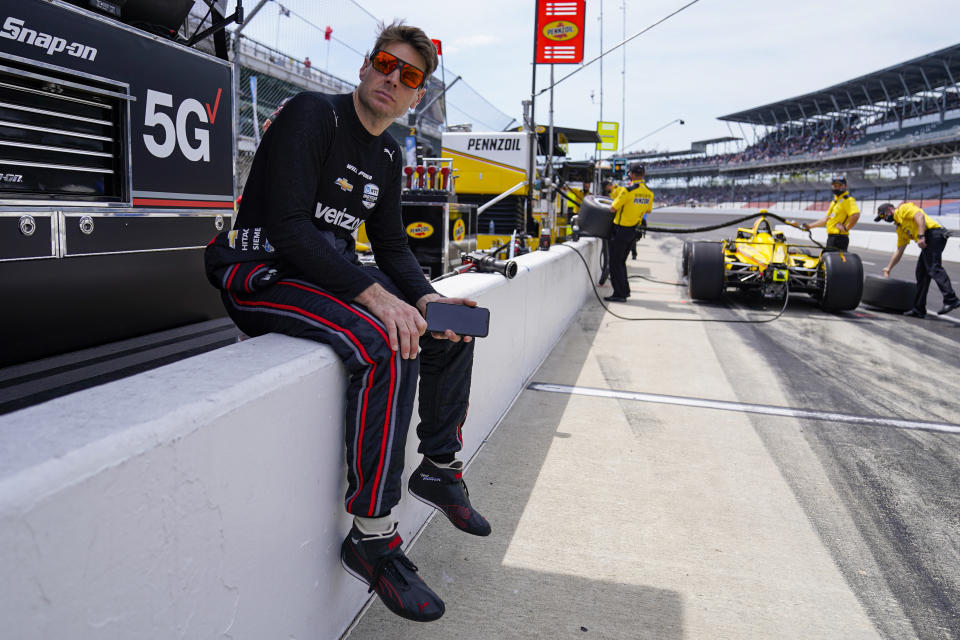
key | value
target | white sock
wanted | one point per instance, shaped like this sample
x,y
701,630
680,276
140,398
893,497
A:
x,y
380,527
456,464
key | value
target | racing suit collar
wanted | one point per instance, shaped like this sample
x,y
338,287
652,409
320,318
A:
x,y
351,119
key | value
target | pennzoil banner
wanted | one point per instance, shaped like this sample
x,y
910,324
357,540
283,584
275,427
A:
x,y
560,31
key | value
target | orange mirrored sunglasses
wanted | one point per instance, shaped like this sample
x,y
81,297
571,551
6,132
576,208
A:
x,y
385,63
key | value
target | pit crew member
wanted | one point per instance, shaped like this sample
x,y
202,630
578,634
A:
x,y
914,224
629,208
841,216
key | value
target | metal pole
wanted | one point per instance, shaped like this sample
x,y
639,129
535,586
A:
x,y
599,154
443,79
250,15
550,130
531,121
551,209
623,92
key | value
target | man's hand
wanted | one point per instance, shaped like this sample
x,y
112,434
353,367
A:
x,y
922,242
805,226
436,297
404,324
840,227
886,272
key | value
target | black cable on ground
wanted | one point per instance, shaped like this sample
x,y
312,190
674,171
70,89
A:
x,y
786,299
673,284
730,223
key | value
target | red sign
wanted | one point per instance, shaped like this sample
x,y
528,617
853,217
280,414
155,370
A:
x,y
560,31
436,43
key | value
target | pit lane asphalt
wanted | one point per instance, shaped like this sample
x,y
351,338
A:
x,y
620,518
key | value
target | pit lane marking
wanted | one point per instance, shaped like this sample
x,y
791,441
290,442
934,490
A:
x,y
770,410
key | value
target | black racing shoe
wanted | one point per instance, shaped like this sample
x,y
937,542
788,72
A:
x,y
444,489
947,308
913,313
379,561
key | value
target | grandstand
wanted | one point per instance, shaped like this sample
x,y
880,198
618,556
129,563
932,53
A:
x,y
894,133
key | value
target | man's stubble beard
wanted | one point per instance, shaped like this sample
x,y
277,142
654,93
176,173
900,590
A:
x,y
381,112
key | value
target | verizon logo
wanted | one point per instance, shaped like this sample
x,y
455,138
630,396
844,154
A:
x,y
337,217
14,29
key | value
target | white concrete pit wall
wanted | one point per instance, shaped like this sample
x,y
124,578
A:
x,y
204,499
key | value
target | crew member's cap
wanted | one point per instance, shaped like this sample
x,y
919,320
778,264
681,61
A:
x,y
637,167
840,179
882,211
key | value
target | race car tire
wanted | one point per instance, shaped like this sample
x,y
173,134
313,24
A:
x,y
889,293
706,270
842,281
685,258
595,217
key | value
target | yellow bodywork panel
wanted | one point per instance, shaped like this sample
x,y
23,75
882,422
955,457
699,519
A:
x,y
760,246
479,175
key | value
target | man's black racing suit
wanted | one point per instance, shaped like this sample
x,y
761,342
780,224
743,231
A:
x,y
290,266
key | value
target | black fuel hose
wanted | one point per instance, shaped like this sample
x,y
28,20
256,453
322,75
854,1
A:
x,y
730,223
786,299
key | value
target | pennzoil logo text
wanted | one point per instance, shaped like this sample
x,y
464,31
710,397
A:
x,y
493,144
420,230
560,30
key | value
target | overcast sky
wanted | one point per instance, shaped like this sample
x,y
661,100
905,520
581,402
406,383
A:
x,y
715,58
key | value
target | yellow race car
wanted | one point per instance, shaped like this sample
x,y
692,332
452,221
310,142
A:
x,y
761,260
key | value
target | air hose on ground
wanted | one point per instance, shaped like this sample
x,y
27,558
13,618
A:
x,y
596,293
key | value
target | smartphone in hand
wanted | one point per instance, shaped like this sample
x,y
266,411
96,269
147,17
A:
x,y
459,318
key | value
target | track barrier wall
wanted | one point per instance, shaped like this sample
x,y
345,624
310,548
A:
x,y
205,498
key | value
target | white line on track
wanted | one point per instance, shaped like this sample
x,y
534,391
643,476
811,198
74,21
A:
x,y
931,312
771,410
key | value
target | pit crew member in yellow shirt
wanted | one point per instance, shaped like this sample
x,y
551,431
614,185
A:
x,y
629,208
841,216
914,224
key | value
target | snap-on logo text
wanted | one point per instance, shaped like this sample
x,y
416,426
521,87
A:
x,y
14,29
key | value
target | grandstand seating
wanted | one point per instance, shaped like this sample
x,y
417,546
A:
x,y
903,121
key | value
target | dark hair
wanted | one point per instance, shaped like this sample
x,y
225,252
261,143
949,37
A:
x,y
397,31
638,168
882,211
840,179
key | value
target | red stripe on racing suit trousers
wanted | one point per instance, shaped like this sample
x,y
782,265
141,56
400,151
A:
x,y
381,383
